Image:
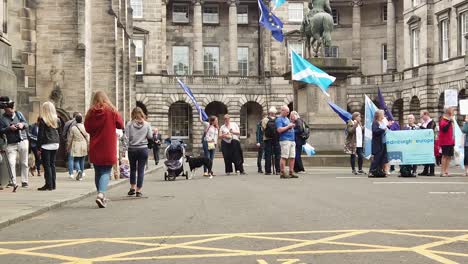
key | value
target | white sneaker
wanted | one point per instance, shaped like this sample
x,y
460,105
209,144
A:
x,y
71,176
211,176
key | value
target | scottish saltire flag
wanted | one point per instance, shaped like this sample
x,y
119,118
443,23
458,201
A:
x,y
190,95
304,71
278,3
370,109
270,22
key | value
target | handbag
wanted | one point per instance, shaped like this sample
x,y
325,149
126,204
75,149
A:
x,y
211,145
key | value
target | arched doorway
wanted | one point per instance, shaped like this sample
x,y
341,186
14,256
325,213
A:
x,y
415,106
142,106
250,115
217,109
397,111
180,121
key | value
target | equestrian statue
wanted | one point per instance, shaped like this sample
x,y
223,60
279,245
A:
x,y
317,26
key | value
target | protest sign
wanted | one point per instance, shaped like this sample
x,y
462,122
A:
x,y
451,97
410,147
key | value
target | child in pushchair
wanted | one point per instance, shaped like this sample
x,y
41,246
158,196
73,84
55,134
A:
x,y
175,159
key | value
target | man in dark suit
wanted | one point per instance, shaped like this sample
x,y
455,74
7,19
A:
x,y
157,144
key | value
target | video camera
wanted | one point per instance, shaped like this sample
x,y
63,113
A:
x,y
5,102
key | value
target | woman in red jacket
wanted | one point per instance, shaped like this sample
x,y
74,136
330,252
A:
x,y
446,139
101,122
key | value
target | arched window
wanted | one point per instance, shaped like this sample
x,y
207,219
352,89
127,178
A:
x,y
180,120
415,106
397,111
218,109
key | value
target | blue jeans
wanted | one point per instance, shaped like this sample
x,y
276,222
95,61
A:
x,y
101,177
210,153
79,163
71,164
137,158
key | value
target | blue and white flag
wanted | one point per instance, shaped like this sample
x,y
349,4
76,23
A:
x,y
190,95
459,149
370,109
278,3
304,71
270,22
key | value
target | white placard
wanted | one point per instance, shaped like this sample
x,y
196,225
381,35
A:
x,y
451,98
464,107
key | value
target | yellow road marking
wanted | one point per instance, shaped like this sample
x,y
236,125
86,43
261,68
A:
x,y
440,243
449,253
413,235
435,257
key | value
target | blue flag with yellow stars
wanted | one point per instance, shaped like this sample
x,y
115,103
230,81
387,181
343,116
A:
x,y
270,21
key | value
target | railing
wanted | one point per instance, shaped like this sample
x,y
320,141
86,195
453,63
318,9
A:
x,y
382,78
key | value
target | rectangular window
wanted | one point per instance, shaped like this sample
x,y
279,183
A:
x,y
139,55
298,47
384,58
3,15
137,6
295,12
180,13
331,52
463,31
243,15
210,14
243,60
180,60
211,61
384,13
336,17
415,47
415,2
444,40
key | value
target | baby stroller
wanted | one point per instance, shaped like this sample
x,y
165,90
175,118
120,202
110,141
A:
x,y
175,159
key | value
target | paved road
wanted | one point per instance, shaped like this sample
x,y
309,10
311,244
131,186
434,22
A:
x,y
326,216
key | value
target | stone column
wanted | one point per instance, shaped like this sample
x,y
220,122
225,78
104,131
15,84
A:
x,y
357,32
233,66
163,38
391,36
197,37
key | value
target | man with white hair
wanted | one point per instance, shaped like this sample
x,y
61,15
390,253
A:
x,y
285,130
270,142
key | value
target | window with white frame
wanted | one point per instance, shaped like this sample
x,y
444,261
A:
x,y
384,13
243,15
444,39
415,3
331,52
336,17
384,58
415,47
295,12
180,13
463,31
139,55
3,16
180,120
211,61
211,14
180,60
298,47
243,60
137,6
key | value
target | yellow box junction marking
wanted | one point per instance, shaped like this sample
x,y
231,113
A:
x,y
331,237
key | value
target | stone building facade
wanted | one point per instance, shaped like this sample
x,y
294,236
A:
x,y
63,51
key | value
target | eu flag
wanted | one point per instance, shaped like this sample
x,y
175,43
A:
x,y
270,22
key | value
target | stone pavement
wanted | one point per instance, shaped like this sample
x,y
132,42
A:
x,y
28,202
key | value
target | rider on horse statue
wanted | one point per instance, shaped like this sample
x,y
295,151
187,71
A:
x,y
318,25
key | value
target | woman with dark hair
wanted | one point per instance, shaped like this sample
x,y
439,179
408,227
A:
x,y
77,145
101,122
379,147
354,142
211,139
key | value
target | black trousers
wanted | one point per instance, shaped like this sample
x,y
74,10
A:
x,y
48,162
379,160
429,169
260,157
360,156
226,149
156,153
298,166
272,151
237,156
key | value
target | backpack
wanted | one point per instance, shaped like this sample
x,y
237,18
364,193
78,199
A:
x,y
305,131
406,171
270,130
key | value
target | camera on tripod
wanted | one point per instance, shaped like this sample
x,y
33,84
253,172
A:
x,y
5,102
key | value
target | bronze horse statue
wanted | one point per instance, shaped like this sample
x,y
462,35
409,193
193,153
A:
x,y
317,26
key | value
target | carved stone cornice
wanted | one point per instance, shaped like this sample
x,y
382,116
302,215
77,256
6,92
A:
x,y
199,2
232,2
354,3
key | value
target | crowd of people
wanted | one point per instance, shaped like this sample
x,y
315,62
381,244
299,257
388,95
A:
x,y
443,148
100,136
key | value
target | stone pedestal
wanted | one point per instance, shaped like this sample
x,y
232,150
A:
x,y
327,129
